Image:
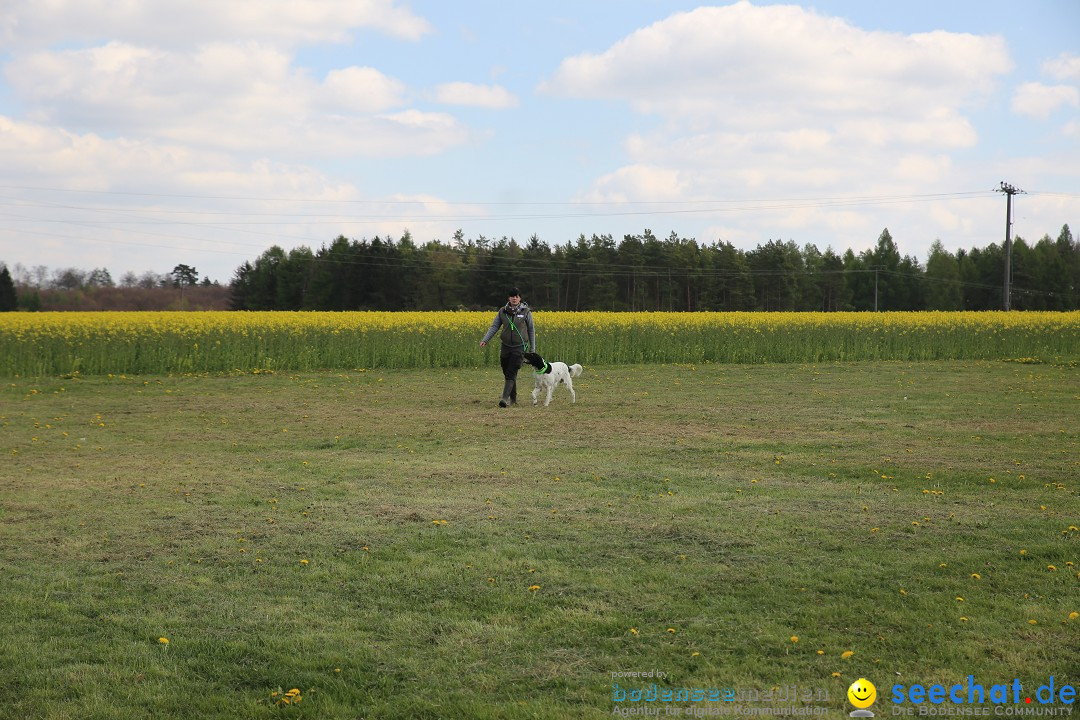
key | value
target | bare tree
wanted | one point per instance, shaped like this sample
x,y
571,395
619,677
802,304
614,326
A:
x,y
68,279
150,279
100,277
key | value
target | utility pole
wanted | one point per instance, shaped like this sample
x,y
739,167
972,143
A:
x,y
1009,191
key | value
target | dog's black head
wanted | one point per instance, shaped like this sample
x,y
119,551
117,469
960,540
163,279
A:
x,y
535,360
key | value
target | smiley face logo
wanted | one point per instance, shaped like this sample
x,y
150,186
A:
x,y
862,693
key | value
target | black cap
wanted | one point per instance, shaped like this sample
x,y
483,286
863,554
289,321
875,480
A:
x,y
514,291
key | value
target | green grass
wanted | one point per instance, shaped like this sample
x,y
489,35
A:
x,y
737,505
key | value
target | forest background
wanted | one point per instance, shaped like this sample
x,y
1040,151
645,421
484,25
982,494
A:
x,y
640,273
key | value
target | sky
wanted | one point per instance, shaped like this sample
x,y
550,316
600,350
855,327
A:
x,y
139,135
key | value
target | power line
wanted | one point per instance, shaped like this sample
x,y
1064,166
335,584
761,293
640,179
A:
x,y
838,199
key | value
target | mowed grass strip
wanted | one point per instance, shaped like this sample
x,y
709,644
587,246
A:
x,y
391,544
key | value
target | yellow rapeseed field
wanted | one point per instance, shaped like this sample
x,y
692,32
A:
x,y
181,342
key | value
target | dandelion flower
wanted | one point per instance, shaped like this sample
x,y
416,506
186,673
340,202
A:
x,y
794,638
534,588
836,674
963,618
671,630
846,654
1023,552
634,632
1033,622
1051,568
1073,615
695,654
820,652
976,576
959,599
163,640
304,562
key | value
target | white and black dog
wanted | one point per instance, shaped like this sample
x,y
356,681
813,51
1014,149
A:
x,y
548,375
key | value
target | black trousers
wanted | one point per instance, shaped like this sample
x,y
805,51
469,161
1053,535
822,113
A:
x,y
511,359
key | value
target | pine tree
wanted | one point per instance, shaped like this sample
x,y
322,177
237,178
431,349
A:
x,y
9,299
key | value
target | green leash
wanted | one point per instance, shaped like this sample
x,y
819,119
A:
x,y
510,319
543,370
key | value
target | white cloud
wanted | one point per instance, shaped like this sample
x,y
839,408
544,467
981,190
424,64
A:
x,y
1039,101
746,66
184,23
196,210
494,97
923,168
135,89
779,101
203,104
636,181
362,89
245,98
1064,67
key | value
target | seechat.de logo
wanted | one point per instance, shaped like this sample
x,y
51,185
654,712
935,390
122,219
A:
x,y
862,695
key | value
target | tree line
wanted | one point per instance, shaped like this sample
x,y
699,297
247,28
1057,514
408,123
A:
x,y
38,288
646,273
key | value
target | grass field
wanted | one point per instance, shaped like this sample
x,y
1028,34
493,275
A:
x,y
392,545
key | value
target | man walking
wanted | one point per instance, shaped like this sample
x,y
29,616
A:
x,y
518,337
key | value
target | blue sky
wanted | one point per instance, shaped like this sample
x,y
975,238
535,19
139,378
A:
x,y
140,135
